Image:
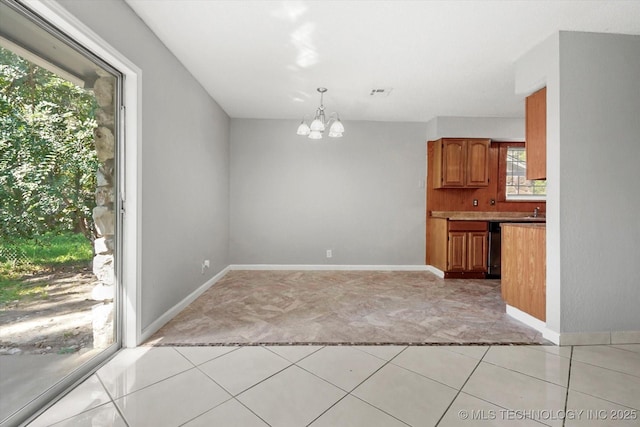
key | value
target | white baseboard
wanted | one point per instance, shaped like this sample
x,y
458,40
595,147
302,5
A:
x,y
625,337
600,338
436,271
173,311
336,267
534,323
575,338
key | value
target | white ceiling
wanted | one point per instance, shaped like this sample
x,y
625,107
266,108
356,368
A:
x,y
265,59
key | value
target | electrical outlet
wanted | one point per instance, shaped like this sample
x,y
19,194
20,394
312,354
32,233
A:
x,y
205,264
329,253
475,202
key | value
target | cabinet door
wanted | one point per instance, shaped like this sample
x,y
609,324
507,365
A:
x,y
536,134
457,251
477,165
453,163
477,242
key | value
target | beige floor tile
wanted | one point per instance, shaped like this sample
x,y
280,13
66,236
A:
x,y
242,368
293,397
437,363
384,352
105,415
342,366
553,349
584,411
293,353
629,347
538,364
605,384
87,395
475,351
136,368
229,414
410,397
353,412
199,355
468,411
173,401
609,357
515,391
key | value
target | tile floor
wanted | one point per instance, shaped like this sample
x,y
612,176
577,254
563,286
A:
x,y
358,386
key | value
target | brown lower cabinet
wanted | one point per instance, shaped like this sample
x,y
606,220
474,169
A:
x,y
459,248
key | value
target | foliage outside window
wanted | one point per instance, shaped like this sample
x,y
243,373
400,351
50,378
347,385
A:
x,y
47,157
517,186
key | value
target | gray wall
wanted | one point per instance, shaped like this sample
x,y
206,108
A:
x,y
185,162
496,128
599,178
593,147
361,195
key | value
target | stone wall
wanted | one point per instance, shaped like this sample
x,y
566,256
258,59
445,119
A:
x,y
104,213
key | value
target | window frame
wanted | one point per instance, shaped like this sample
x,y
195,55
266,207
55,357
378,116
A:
x,y
502,175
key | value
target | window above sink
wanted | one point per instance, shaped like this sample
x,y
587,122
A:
x,y
514,185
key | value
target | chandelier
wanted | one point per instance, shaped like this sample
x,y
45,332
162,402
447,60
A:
x,y
320,123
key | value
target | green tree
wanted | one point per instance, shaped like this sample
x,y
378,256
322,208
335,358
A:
x,y
47,157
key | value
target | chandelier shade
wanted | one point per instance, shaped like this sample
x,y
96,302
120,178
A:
x,y
303,129
320,123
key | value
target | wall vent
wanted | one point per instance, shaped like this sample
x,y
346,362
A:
x,y
380,92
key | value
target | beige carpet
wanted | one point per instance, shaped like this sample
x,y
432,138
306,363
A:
x,y
340,307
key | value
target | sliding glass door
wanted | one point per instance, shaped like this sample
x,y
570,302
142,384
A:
x,y
60,222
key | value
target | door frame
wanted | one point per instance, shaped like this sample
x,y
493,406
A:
x,y
130,171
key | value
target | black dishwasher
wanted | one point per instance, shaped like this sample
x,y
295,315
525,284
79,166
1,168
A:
x,y
493,261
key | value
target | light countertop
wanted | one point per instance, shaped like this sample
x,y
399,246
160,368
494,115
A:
x,y
489,216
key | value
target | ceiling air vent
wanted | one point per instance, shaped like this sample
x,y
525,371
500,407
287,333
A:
x,y
380,92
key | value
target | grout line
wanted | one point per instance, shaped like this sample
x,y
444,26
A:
x,y
251,410
460,390
253,385
328,409
566,396
113,402
208,410
313,352
206,361
528,375
357,385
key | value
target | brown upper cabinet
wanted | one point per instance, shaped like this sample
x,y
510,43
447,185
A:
x,y
536,134
461,163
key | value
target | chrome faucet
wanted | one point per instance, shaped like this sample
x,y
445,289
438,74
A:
x,y
535,211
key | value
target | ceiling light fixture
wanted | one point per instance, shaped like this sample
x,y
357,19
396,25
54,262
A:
x,y
320,122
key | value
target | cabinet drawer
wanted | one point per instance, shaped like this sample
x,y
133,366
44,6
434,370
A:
x,y
468,226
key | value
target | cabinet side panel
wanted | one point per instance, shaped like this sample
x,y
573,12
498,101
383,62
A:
x,y
536,134
437,245
524,269
434,150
